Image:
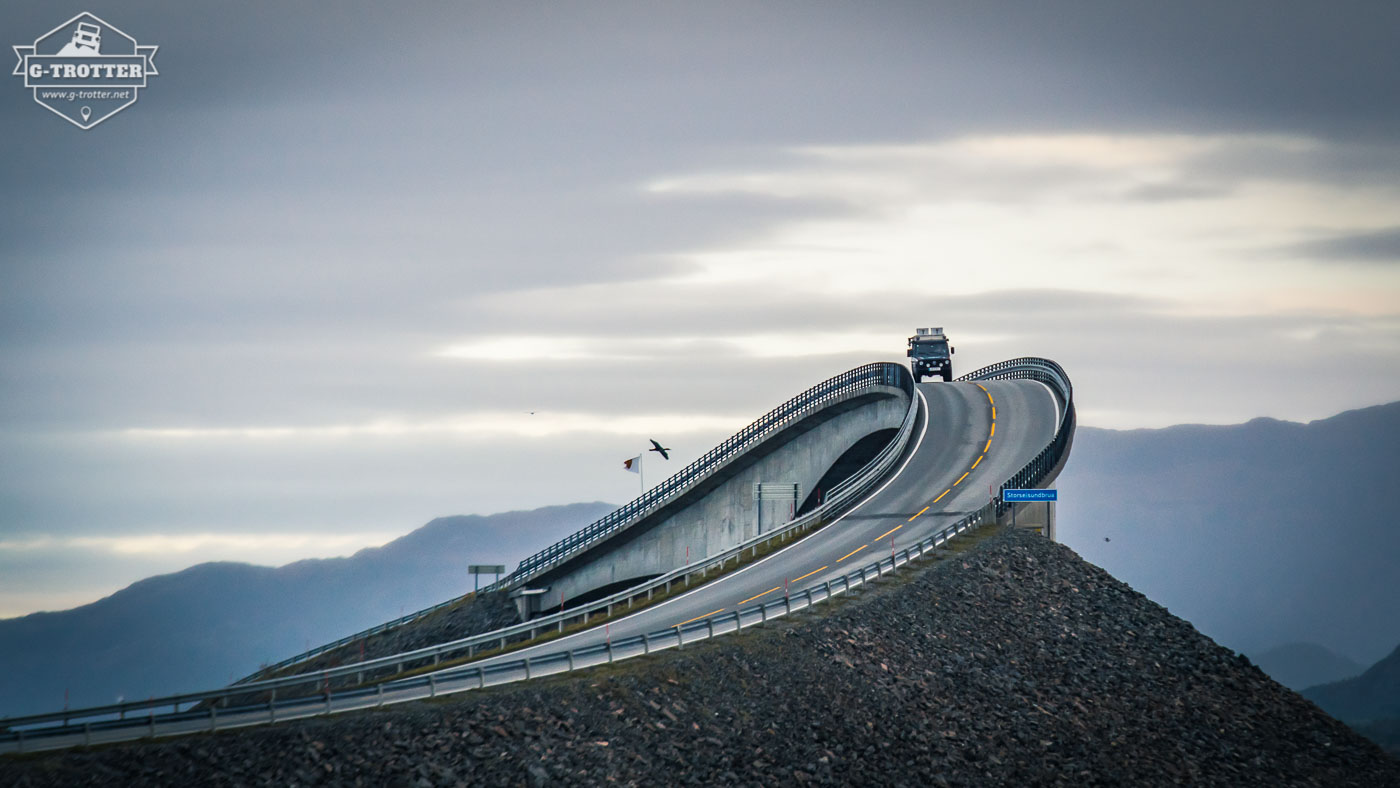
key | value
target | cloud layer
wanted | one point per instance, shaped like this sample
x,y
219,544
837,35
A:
x,y
271,297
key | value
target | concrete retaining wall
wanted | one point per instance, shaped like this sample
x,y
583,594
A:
x,y
722,512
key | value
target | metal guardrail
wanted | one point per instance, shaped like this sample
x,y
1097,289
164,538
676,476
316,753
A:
x,y
795,409
789,412
357,673
1052,375
14,737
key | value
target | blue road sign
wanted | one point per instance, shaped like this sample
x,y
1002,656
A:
x,y
1024,496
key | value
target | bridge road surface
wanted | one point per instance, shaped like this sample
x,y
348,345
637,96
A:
x,y
968,436
959,446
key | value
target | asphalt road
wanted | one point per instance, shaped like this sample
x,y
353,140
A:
x,y
968,437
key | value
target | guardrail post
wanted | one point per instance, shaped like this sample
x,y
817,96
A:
x,y
481,678
527,668
680,638
646,643
87,734
213,717
380,694
571,660
710,628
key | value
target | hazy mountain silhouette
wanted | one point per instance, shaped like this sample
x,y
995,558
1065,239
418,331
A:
x,y
203,626
1301,665
1372,696
1262,533
1370,703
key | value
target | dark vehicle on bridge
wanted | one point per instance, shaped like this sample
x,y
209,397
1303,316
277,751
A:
x,y
930,354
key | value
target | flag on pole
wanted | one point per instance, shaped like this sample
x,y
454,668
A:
x,y
634,465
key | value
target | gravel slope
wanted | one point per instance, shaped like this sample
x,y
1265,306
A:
x,y
1012,663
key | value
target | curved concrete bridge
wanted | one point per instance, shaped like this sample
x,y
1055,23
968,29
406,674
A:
x,y
949,450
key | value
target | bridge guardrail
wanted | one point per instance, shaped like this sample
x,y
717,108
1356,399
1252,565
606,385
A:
x,y
804,404
1052,375
466,678
356,673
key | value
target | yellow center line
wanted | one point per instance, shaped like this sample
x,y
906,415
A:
x,y
809,574
847,555
988,447
989,397
979,462
939,498
994,413
993,433
980,386
960,478
887,533
916,514
756,596
697,618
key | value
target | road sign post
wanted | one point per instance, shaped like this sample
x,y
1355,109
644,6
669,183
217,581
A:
x,y
477,570
1049,497
770,491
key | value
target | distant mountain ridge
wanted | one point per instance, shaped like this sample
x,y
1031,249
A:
x,y
1261,533
203,626
1301,665
1370,697
1370,703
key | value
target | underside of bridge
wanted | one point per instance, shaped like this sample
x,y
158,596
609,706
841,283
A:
x,y
721,512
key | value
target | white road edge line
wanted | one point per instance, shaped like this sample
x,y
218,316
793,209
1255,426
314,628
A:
x,y
515,655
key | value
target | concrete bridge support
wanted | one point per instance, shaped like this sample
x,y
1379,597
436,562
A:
x,y
720,512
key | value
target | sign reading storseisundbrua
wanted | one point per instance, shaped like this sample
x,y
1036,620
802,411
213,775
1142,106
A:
x,y
85,70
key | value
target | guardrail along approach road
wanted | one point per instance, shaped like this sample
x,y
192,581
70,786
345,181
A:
x,y
1008,425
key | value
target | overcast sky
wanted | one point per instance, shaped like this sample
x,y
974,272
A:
x,y
305,294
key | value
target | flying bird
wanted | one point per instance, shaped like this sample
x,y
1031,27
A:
x,y
658,448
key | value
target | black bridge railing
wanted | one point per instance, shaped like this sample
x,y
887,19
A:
x,y
789,412
1052,375
795,409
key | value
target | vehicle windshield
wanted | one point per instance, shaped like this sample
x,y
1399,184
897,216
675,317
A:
x,y
931,349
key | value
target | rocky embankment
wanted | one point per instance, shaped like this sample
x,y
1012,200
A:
x,y
1014,663
478,614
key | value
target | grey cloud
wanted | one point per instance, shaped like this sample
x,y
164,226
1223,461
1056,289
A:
x,y
1377,247
304,203
1174,191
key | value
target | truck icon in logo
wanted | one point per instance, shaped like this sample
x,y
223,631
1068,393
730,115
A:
x,y
85,70
87,40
